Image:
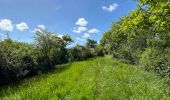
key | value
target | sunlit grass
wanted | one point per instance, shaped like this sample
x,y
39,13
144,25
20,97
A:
x,y
99,78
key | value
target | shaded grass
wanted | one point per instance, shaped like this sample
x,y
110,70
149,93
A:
x,y
99,78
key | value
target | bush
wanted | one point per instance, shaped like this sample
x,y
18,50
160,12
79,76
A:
x,y
99,51
52,49
17,61
80,53
156,60
20,60
126,54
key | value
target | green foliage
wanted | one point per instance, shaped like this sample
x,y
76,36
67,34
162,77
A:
x,y
17,61
91,43
99,50
156,60
21,60
52,49
80,53
132,37
100,78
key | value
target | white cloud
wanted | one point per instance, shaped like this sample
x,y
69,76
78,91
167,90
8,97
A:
x,y
81,22
22,26
77,38
80,39
82,28
76,31
60,36
111,7
94,30
79,29
41,26
6,25
38,29
86,35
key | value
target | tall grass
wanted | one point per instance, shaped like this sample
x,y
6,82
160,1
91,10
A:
x,y
99,78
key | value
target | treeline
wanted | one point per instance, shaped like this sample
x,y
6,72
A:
x,y
142,37
21,60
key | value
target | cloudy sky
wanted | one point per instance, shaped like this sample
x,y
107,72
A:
x,y
81,19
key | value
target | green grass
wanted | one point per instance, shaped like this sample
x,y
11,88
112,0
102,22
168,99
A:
x,y
99,79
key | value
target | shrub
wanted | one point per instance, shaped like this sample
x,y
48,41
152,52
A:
x,y
80,53
99,51
156,60
52,49
17,61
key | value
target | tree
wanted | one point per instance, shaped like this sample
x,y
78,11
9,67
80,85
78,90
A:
x,y
52,48
17,60
91,43
131,37
80,52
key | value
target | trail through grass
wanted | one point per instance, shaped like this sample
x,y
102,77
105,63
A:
x,y
98,79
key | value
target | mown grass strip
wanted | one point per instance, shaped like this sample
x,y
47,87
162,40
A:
x,y
99,78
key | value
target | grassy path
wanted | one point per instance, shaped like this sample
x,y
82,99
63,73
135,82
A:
x,y
99,79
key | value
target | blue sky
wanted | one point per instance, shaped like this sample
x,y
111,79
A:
x,y
80,19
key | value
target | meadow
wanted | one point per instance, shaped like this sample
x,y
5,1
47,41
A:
x,y
128,61
100,78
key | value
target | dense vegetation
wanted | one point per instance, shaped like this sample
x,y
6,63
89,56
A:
x,y
100,78
142,37
20,60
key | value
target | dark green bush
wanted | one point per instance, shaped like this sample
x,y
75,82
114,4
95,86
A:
x,y
17,61
20,60
80,53
156,60
99,51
